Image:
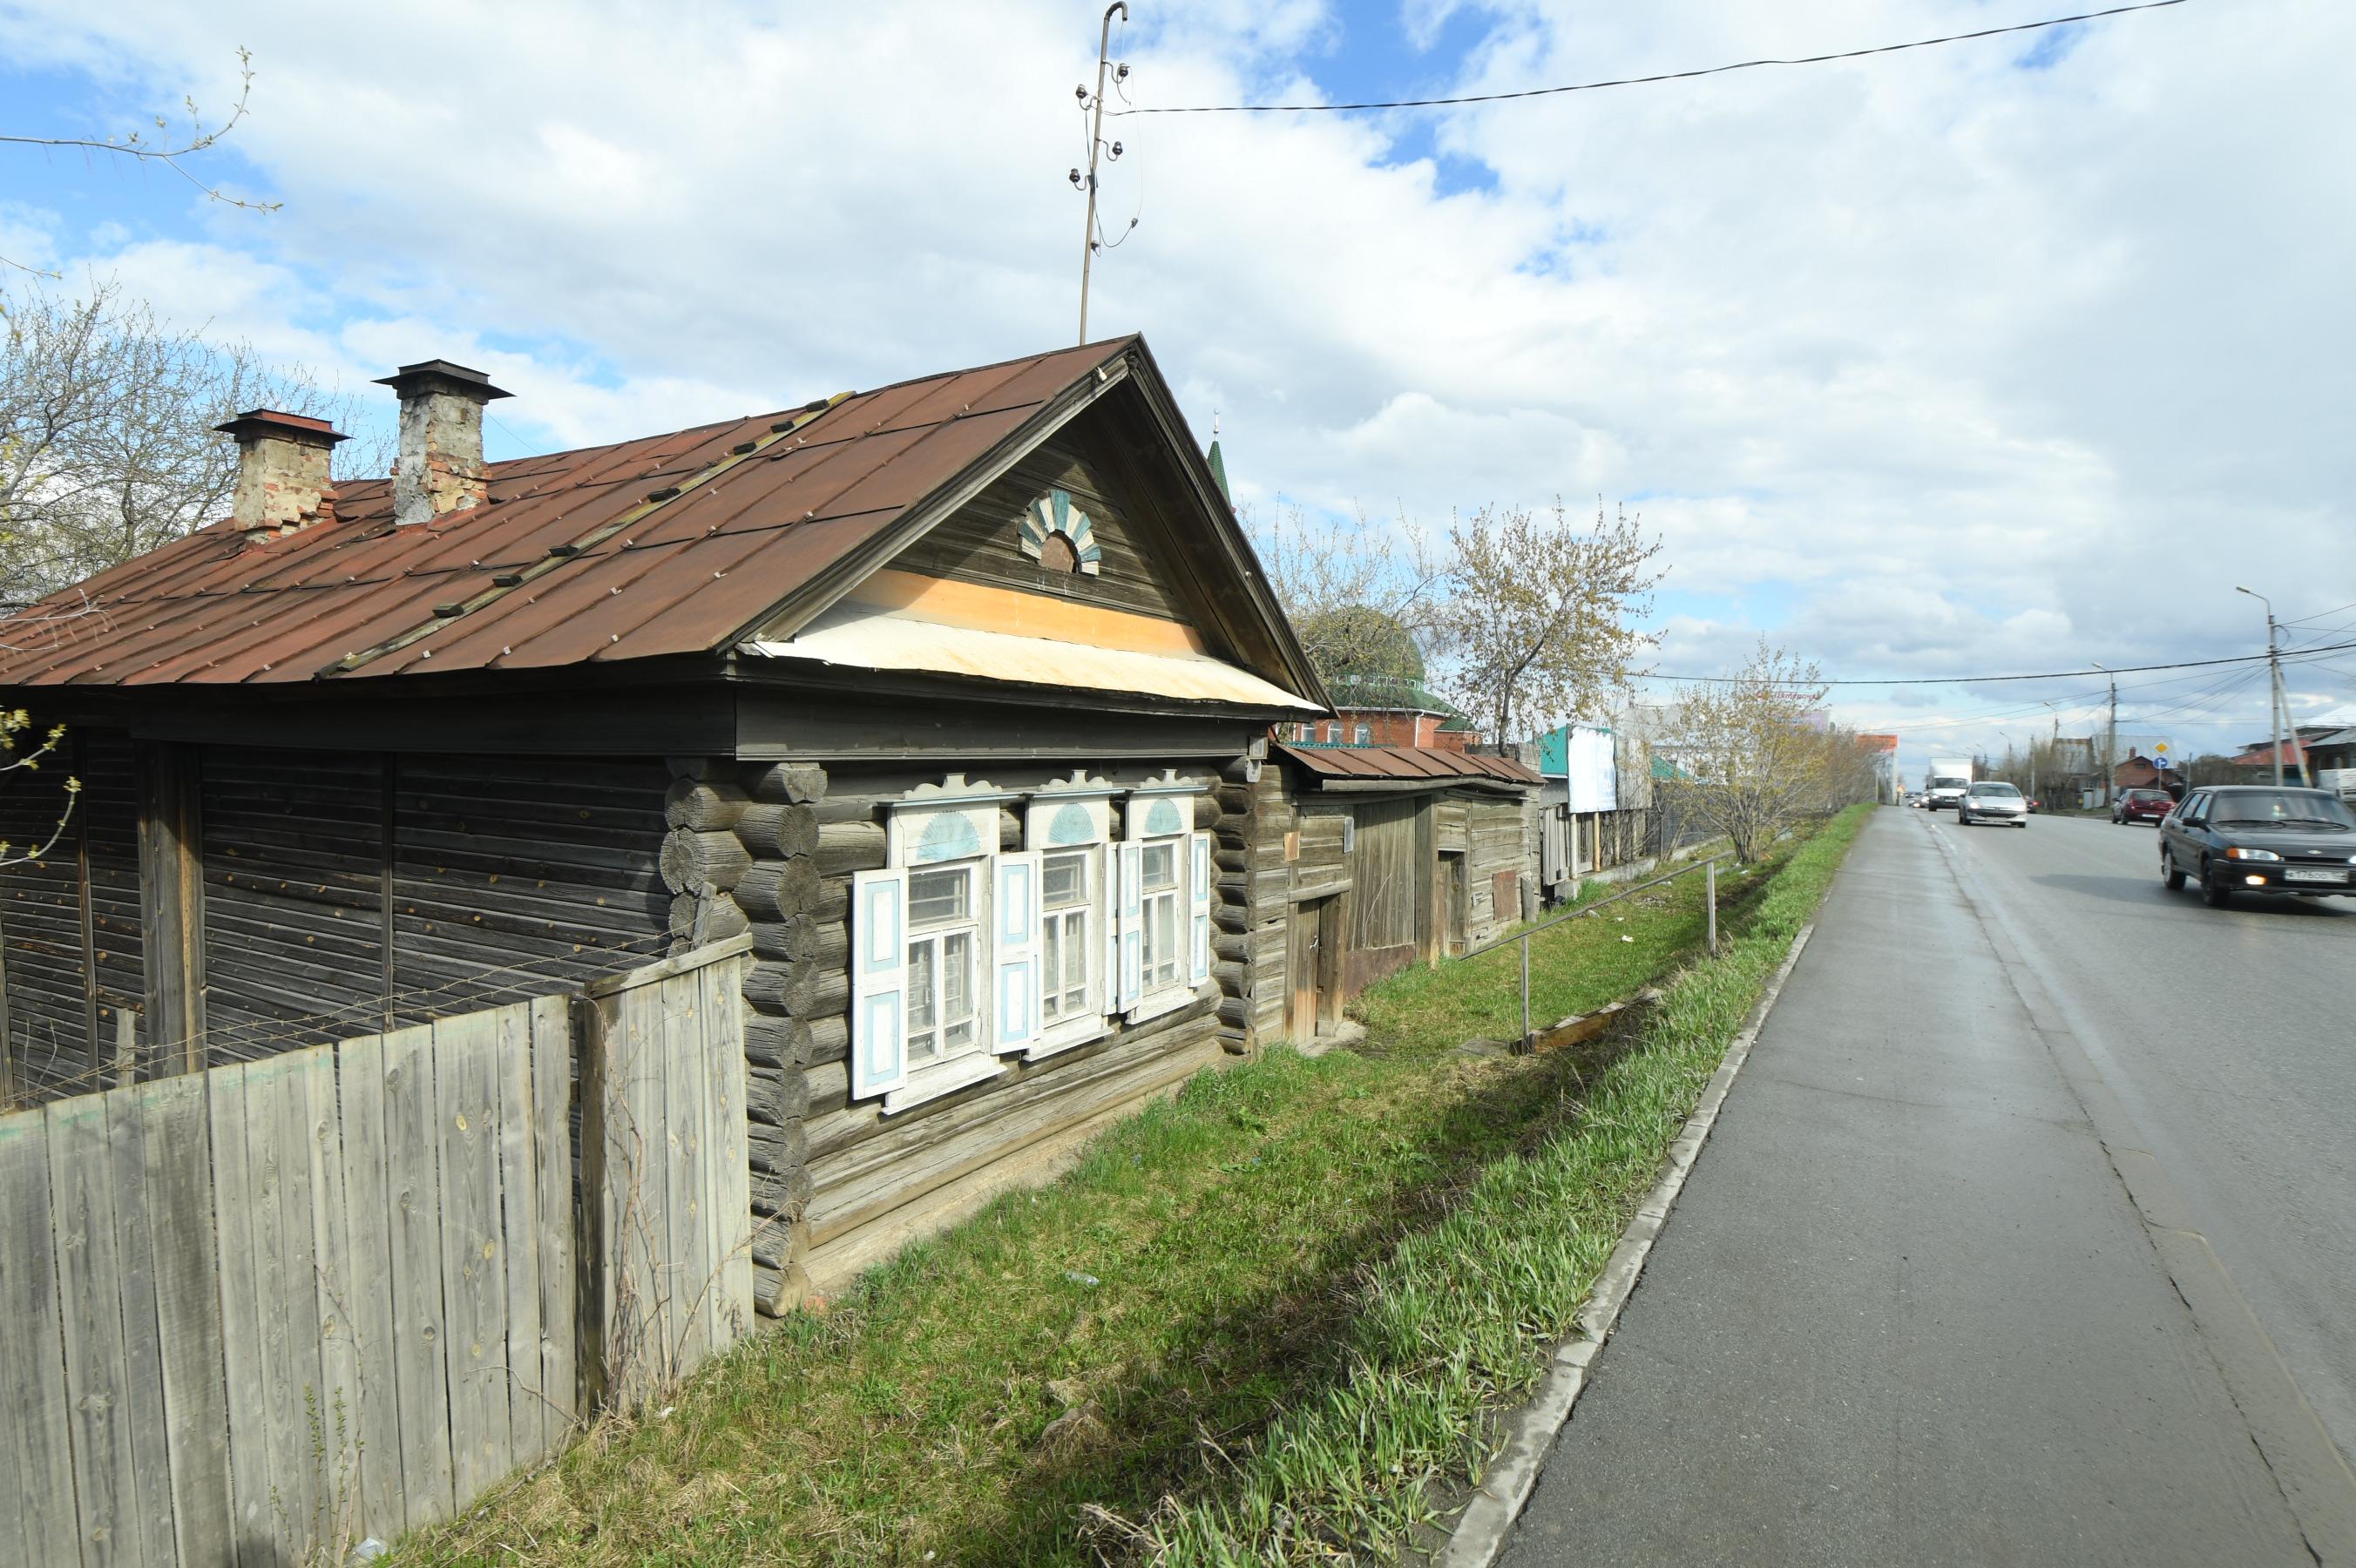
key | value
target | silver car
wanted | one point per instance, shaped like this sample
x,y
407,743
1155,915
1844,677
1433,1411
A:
x,y
1992,802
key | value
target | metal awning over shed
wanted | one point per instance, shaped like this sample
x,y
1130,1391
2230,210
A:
x,y
1371,769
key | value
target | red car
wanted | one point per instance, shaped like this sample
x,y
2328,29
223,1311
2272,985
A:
x,y
2142,806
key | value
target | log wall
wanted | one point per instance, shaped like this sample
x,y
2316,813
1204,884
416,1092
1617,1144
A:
x,y
771,851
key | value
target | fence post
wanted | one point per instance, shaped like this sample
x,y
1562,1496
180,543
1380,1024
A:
x,y
1709,877
1525,993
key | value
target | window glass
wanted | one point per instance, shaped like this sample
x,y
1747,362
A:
x,y
2306,808
942,950
937,897
1365,734
1064,882
1160,876
1064,935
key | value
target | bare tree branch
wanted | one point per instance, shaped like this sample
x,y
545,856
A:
x,y
162,147
107,445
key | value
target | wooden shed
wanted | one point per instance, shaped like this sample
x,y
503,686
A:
x,y
1363,860
944,691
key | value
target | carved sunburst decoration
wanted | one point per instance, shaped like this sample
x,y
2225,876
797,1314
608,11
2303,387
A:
x,y
1053,515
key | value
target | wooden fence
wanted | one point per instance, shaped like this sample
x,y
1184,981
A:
x,y
251,1315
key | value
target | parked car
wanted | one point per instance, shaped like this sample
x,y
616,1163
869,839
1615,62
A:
x,y
2256,838
1992,802
2142,806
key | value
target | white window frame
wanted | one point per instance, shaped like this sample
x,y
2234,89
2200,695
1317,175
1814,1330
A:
x,y
1190,856
1365,733
937,936
1071,821
943,829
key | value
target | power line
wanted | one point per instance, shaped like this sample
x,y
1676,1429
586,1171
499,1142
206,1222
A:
x,y
1641,81
1981,680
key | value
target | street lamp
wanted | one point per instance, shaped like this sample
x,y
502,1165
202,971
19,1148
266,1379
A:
x,y
2277,704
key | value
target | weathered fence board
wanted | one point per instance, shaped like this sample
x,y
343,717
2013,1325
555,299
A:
x,y
143,1348
670,1281
256,1313
368,1254
474,1280
32,1375
177,1170
414,1185
105,1465
551,1093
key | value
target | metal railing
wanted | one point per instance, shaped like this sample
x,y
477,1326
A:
x,y
1709,867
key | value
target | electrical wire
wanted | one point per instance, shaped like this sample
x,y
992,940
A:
x,y
1980,680
1644,81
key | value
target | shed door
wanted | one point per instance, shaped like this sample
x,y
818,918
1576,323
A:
x,y
1304,967
1452,894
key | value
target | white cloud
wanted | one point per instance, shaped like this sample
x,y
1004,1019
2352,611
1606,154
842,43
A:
x,y
1968,366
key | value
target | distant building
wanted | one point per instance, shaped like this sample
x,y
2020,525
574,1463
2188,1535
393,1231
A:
x,y
1884,749
1383,710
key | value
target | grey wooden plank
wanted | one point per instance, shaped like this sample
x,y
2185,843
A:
x,y
34,1414
279,1165
599,1024
150,1492
367,1286
519,1212
648,1117
100,1430
474,1274
632,1192
732,1202
691,1264
551,1091
412,1164
252,1520
338,1419
176,1150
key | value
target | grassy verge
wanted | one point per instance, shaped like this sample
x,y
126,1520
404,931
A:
x,y
1259,1323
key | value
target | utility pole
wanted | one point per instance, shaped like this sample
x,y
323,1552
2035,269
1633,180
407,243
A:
x,y
2110,741
1095,108
2278,700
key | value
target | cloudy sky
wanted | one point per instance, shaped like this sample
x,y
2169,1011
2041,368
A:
x,y
2014,354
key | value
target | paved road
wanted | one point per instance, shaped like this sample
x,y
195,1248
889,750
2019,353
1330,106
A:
x,y
1906,1311
2232,1039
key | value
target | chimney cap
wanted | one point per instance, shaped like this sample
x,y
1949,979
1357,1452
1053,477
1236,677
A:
x,y
442,376
255,423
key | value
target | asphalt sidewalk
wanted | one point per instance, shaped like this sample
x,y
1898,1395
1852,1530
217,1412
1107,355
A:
x,y
1904,1310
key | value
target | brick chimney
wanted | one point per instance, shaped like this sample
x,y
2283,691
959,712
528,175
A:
x,y
282,472
439,469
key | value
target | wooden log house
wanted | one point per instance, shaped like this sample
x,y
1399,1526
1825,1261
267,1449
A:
x,y
953,693
1363,860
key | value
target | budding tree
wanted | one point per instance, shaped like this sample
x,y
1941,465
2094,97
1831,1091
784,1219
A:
x,y
107,445
1359,596
16,757
1755,758
1537,619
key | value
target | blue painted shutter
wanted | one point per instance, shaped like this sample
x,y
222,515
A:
x,y
1014,911
1200,862
879,982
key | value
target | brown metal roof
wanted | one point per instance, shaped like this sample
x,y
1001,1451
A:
x,y
1407,765
671,544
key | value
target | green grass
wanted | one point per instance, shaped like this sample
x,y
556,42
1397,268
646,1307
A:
x,y
1284,1306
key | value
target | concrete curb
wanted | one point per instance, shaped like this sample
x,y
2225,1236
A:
x,y
1487,1522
